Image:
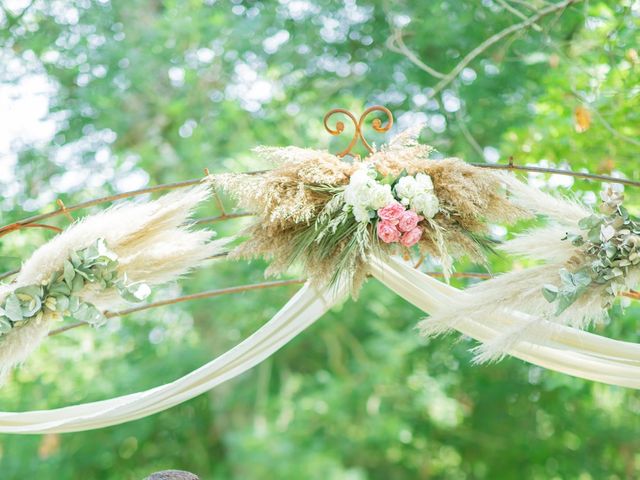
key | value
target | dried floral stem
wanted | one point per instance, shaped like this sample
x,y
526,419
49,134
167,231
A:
x,y
220,218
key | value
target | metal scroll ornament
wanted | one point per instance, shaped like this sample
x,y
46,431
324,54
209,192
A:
x,y
377,125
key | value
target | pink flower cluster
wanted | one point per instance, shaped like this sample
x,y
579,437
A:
x,y
399,225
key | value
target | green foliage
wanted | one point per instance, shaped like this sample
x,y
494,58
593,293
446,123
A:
x,y
610,250
60,295
146,92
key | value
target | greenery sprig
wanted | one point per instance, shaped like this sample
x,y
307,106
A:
x,y
610,242
59,296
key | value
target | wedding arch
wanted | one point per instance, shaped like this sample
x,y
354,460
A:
x,y
343,219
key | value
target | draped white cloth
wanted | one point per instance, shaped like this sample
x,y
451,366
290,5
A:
x,y
566,350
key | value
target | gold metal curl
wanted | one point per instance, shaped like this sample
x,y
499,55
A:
x,y
377,125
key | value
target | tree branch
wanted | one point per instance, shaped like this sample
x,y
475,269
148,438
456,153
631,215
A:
x,y
396,44
449,77
517,13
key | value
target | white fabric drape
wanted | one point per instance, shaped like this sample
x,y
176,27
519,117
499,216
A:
x,y
566,350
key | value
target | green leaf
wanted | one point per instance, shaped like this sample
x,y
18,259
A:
x,y
77,285
33,307
75,259
62,304
582,278
69,272
13,308
564,302
86,273
566,277
590,222
89,314
550,292
594,235
5,325
74,304
31,290
60,288
135,292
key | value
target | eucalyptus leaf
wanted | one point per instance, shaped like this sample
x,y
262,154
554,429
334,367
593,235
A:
x,y
77,285
13,308
5,325
69,272
62,304
135,292
33,307
588,223
550,292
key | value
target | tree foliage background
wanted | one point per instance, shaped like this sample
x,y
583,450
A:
x,y
102,96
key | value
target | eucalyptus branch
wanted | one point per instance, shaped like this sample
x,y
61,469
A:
x,y
489,42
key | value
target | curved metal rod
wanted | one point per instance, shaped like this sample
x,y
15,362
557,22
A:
x,y
170,186
96,201
376,124
557,171
340,128
358,124
16,226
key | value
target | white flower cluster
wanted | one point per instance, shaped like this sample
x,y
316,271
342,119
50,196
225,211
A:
x,y
417,193
365,195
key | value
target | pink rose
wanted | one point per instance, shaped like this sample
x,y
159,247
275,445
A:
x,y
387,232
412,237
392,212
408,221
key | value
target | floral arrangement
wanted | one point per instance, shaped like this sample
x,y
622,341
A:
x,y
583,261
98,264
609,243
60,295
330,215
394,203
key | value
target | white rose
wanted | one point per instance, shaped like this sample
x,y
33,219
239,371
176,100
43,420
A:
x,y
406,188
364,195
360,177
380,196
361,213
350,195
424,181
426,203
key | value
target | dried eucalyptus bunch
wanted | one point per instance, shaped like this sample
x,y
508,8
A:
x,y
609,244
61,295
99,263
582,261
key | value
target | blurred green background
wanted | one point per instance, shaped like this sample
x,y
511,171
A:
x,y
100,96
